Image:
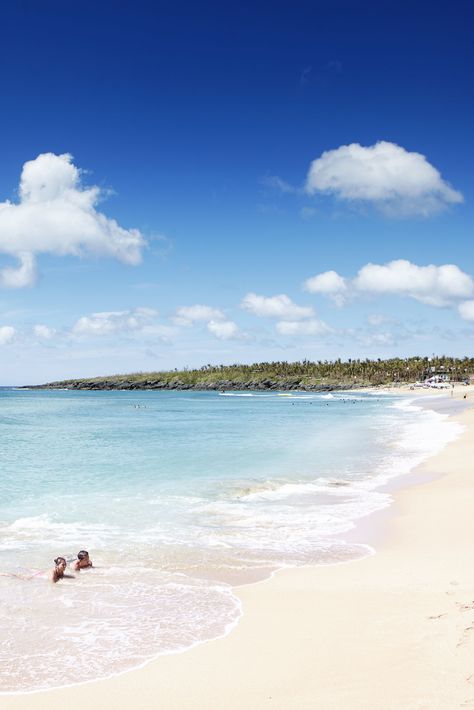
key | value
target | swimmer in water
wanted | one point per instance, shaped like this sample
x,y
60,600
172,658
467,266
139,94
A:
x,y
57,572
82,561
54,575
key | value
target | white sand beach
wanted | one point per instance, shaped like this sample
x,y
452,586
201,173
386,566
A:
x,y
393,631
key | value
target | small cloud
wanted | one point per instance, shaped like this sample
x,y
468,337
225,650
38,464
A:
x,y
396,181
276,183
7,334
23,275
466,310
308,327
328,283
112,322
224,329
216,322
376,319
43,332
281,307
187,315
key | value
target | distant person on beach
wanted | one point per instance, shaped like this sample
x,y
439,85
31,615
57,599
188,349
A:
x,y
57,572
82,561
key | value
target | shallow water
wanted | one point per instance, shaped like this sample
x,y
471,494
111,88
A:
x,y
177,496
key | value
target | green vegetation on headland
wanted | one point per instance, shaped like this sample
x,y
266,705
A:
x,y
304,375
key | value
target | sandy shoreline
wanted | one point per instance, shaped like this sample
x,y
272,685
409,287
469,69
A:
x,y
395,630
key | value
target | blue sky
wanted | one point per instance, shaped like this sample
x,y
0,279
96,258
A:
x,y
252,148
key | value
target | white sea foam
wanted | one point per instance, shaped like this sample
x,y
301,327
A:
x,y
289,395
109,624
243,394
299,514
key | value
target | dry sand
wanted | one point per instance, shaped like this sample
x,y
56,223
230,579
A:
x,y
392,631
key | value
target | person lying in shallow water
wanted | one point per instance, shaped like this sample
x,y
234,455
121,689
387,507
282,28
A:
x,y
57,572
82,561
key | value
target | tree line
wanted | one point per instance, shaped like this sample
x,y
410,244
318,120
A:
x,y
304,372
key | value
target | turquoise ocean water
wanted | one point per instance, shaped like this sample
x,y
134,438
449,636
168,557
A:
x,y
178,496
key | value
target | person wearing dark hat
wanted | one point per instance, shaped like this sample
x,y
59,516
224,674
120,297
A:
x,y
82,561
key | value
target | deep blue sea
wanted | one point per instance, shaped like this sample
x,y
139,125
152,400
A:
x,y
178,496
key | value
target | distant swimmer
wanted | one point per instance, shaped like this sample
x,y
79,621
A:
x,y
57,572
82,561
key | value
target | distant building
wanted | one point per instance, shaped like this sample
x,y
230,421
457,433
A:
x,y
436,374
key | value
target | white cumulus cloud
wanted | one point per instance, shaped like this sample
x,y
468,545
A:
x,y
215,320
223,329
110,322
20,276
395,180
7,334
308,327
281,307
57,215
434,285
187,315
328,283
